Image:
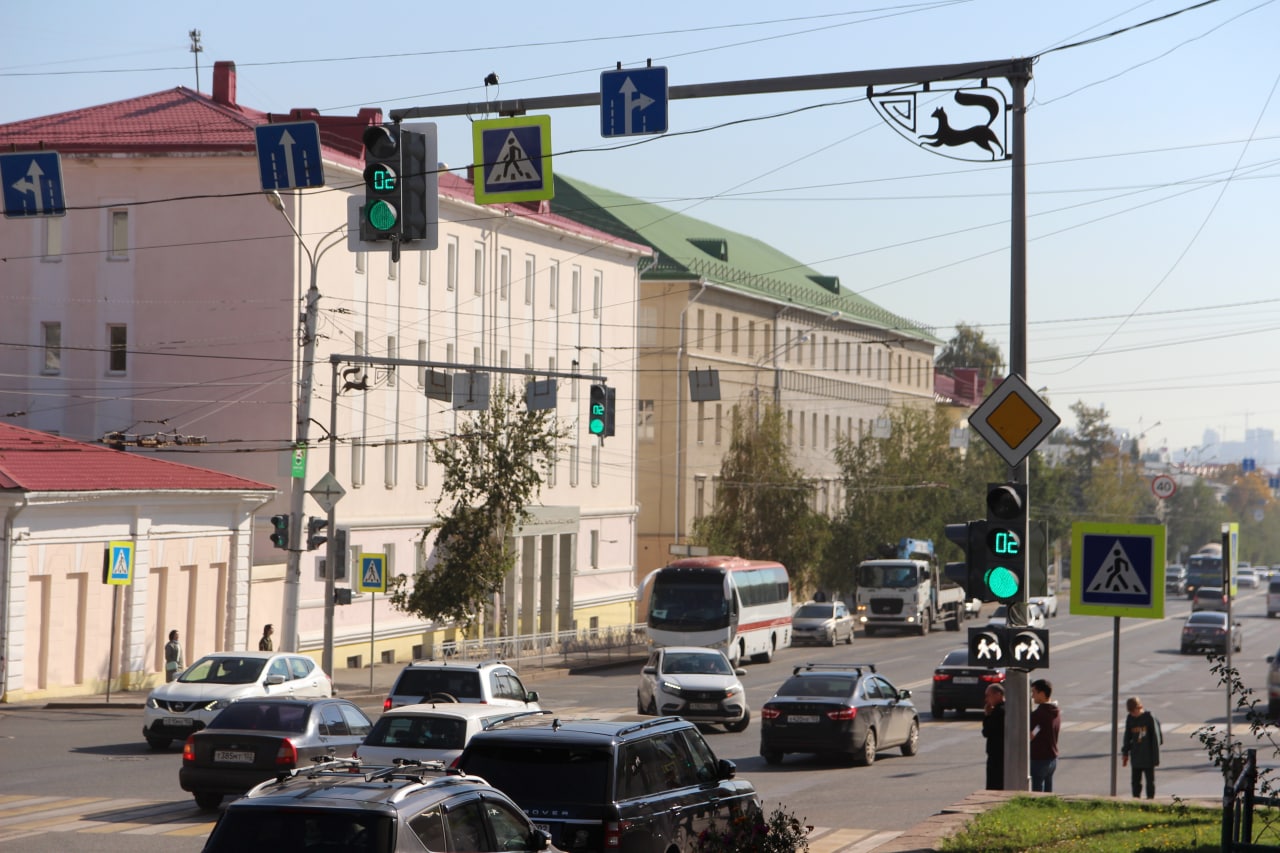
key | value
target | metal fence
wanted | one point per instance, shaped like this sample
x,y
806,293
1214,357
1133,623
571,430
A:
x,y
556,648
1245,815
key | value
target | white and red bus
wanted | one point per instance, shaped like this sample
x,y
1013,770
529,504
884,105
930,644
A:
x,y
740,606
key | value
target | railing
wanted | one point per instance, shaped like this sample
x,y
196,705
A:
x,y
557,648
1240,808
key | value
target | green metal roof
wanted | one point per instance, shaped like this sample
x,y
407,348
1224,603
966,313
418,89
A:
x,y
693,249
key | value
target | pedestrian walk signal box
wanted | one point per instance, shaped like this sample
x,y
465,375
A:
x,y
1012,648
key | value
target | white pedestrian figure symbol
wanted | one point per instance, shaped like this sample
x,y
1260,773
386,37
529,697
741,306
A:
x,y
988,649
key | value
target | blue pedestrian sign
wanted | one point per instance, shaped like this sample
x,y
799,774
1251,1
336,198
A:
x,y
289,155
1117,569
32,184
633,102
119,563
373,573
512,159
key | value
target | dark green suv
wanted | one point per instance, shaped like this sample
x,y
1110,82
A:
x,y
639,785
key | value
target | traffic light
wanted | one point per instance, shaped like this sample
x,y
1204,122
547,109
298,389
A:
x,y
970,536
314,526
1004,570
381,218
598,416
280,531
415,184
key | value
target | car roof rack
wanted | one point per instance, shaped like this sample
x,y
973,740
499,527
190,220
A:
x,y
467,664
648,724
822,667
506,718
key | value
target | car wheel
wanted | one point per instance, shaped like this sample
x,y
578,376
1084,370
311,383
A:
x,y
158,743
848,640
924,625
740,725
653,707
772,756
1184,651
912,744
639,705
936,711
441,697
207,800
867,755
766,656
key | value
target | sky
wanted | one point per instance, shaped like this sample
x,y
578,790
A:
x,y
1152,151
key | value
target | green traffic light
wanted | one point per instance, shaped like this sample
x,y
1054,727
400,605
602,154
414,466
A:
x,y
596,425
1002,582
381,215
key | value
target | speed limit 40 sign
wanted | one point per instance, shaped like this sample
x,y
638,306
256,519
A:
x,y
1164,486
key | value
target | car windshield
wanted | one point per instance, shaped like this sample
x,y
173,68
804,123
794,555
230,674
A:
x,y
814,611
224,670
689,663
528,774
263,717
1218,619
1209,592
291,829
838,686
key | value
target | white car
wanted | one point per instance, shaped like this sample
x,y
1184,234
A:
x,y
1048,604
696,683
183,707
429,732
1000,616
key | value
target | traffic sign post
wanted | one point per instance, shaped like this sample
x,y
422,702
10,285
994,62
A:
x,y
512,159
289,155
32,183
633,102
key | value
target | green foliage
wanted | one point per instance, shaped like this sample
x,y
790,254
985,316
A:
x,y
1226,755
970,348
1193,517
1097,826
780,832
492,471
762,505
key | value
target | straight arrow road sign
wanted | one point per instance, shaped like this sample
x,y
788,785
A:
x,y
32,184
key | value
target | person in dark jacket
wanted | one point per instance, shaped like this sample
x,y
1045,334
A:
x,y
1045,722
993,731
1141,750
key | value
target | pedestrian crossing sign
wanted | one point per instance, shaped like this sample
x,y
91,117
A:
x,y
1118,569
119,564
512,159
373,573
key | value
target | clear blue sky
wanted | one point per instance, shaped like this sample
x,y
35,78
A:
x,y
1152,178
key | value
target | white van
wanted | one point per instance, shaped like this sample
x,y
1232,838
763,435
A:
x,y
1273,596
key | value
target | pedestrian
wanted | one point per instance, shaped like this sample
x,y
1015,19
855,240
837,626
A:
x,y
1141,750
264,645
1045,722
993,731
172,657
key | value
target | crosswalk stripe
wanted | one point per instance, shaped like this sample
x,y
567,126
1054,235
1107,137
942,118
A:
x,y
825,839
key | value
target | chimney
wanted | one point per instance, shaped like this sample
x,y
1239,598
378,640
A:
x,y
224,83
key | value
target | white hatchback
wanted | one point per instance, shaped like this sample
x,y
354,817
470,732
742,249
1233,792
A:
x,y
180,708
434,731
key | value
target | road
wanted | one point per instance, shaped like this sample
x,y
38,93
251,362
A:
x,y
89,774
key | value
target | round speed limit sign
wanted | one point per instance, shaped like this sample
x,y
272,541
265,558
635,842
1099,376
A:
x,y
1164,486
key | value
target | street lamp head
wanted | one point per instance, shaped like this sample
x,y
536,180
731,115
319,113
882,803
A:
x,y
274,199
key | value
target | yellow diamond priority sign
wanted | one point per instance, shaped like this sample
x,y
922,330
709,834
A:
x,y
1014,420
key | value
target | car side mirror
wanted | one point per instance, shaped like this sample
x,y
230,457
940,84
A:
x,y
539,840
531,696
274,679
739,671
726,769
904,694
649,670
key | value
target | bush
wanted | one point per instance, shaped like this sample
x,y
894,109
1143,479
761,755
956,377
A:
x,y
780,832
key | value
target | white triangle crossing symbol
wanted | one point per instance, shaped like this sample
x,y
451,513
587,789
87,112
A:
x,y
1117,574
121,568
372,573
513,164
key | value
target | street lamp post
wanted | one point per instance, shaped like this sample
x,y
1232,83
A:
x,y
302,429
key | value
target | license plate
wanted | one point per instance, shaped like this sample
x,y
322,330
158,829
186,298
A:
x,y
179,722
233,757
703,706
966,679
802,718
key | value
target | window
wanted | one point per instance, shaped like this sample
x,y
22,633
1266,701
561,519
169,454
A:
x,y
451,264
117,354
422,371
391,368
553,458
51,335
52,238
802,429
573,465
595,549
530,269
361,258
553,283
701,418
787,343
595,464
421,458
699,496
597,293
429,827
719,330
751,338
393,267
575,290
478,271
733,336
424,268
504,274
702,319
719,422
119,237
648,327
644,420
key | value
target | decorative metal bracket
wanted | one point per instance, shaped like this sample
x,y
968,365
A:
x,y
980,114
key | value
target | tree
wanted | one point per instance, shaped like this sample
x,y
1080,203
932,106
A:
x,y
492,471
1193,517
762,505
970,348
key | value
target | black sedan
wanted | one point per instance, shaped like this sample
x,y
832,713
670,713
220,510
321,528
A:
x,y
842,709
254,739
958,686
1207,630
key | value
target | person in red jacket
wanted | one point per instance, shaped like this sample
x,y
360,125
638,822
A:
x,y
1045,722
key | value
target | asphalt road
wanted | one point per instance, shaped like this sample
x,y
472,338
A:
x,y
83,779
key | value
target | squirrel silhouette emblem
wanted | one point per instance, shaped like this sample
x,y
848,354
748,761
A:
x,y
979,134
353,379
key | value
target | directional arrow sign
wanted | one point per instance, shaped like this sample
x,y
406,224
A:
x,y
289,155
32,184
1028,648
633,101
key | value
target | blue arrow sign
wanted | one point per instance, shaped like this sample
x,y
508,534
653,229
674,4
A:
x,y
289,155
32,184
633,102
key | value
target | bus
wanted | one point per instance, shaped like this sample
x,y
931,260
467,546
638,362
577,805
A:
x,y
1204,568
742,607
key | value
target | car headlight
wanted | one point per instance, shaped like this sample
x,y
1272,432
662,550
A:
x,y
218,704
730,692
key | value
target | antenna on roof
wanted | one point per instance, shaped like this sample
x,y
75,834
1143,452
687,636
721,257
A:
x,y
197,50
